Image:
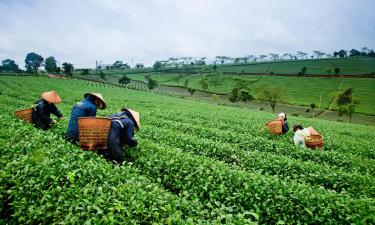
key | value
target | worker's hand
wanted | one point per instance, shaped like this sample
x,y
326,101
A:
x,y
62,118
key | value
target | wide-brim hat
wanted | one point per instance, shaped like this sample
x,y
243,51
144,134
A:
x,y
99,96
135,116
281,115
51,97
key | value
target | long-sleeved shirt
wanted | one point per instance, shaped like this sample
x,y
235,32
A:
x,y
42,114
285,127
85,108
121,133
299,137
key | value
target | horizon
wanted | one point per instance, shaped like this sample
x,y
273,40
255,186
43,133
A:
x,y
144,31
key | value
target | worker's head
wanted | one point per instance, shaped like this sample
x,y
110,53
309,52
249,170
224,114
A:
x,y
134,116
97,99
297,127
282,115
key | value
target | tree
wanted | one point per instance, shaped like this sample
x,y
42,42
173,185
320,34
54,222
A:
x,y
124,80
151,84
342,53
68,69
102,75
186,83
9,65
347,103
337,71
312,106
85,72
191,91
204,83
157,65
50,64
234,95
354,52
118,65
245,96
214,67
303,71
33,62
139,65
272,95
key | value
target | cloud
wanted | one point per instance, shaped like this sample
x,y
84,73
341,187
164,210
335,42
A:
x,y
144,31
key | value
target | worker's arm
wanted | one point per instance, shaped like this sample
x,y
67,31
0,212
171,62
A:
x,y
129,135
55,111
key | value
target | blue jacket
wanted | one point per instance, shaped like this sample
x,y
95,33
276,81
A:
x,y
121,133
85,108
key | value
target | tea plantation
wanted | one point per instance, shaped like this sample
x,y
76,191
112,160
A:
x,y
196,163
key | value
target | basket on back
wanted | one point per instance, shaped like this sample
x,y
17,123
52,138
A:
x,y
275,126
314,141
25,114
93,132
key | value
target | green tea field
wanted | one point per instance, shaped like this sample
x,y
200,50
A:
x,y
196,162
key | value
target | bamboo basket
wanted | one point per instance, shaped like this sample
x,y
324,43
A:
x,y
314,141
275,126
25,114
93,132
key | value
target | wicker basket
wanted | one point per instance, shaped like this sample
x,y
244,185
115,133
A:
x,y
93,132
25,114
275,126
314,141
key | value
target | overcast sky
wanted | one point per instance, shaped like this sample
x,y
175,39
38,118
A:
x,y
82,31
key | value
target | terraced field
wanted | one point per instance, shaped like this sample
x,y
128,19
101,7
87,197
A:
x,y
196,163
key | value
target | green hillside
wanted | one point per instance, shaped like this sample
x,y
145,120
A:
x,y
348,66
298,90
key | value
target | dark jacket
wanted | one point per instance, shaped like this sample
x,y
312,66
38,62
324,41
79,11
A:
x,y
84,108
285,127
42,114
121,133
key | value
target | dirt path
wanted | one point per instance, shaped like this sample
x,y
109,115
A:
x,y
331,103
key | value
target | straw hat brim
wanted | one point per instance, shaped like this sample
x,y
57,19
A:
x,y
136,117
103,105
51,97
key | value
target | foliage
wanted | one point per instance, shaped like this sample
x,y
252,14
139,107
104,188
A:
x,y
346,103
191,91
303,71
32,62
234,95
204,83
151,84
68,69
85,72
157,65
245,96
50,64
9,65
124,80
272,95
102,75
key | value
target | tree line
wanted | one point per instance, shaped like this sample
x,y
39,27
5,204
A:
x,y
33,62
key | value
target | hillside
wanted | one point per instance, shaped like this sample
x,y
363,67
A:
x,y
195,163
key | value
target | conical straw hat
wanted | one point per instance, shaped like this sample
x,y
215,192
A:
x,y
99,96
51,97
135,117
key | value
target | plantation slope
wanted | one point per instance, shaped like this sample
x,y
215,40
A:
x,y
196,163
